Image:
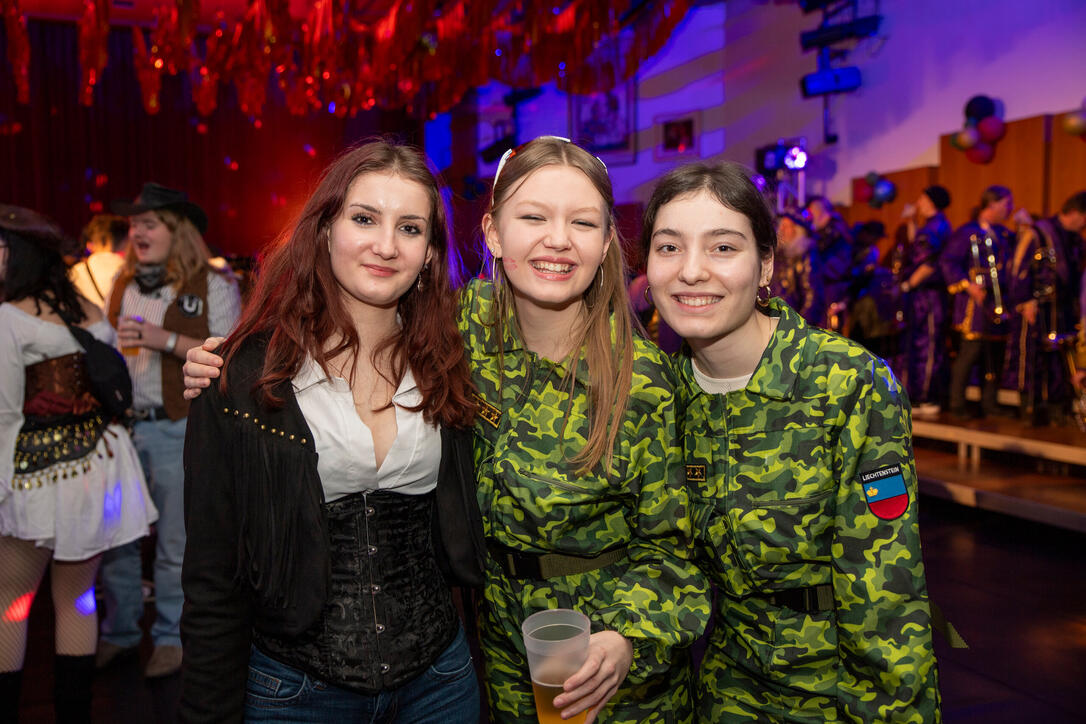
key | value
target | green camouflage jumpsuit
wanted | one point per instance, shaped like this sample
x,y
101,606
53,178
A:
x,y
805,478
533,501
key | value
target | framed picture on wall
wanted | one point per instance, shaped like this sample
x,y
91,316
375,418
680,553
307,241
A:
x,y
605,123
676,136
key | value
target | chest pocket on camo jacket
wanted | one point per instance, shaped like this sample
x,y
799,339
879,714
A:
x,y
781,499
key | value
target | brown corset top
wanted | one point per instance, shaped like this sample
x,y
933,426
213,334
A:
x,y
58,386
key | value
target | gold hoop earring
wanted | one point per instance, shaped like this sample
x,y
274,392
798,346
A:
x,y
761,301
647,294
418,282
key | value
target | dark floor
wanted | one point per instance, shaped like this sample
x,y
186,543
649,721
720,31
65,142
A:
x,y
1015,590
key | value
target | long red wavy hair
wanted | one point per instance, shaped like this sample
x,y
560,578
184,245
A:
x,y
297,298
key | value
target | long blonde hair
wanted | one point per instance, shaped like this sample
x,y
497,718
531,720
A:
x,y
188,251
609,361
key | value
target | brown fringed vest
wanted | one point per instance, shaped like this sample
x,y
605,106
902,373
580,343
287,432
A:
x,y
186,315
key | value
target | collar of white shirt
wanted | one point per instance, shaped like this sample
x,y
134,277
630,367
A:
x,y
311,374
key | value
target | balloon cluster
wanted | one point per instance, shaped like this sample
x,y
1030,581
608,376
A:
x,y
1075,122
983,129
876,190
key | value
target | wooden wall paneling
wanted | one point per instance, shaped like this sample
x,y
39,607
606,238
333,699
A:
x,y
1019,164
1067,167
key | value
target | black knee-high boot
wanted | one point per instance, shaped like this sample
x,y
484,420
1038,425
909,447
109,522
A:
x,y
11,683
72,680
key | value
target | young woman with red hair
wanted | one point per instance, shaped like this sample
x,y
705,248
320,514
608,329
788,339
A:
x,y
344,409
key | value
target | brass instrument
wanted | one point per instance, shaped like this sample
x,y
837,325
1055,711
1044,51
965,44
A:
x,y
987,268
1044,268
1067,343
897,265
1045,278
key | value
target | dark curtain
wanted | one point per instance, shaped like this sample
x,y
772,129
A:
x,y
67,158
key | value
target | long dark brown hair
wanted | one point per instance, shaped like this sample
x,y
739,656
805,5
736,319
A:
x,y
298,300
730,184
35,266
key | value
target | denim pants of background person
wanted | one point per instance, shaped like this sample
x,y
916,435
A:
x,y
446,693
160,444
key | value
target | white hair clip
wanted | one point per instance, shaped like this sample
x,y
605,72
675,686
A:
x,y
512,151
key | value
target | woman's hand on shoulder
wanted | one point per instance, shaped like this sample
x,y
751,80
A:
x,y
201,366
610,655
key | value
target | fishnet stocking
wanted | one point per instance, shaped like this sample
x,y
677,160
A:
x,y
73,601
23,567
76,612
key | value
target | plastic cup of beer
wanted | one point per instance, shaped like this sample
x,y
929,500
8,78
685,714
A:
x,y
556,642
131,351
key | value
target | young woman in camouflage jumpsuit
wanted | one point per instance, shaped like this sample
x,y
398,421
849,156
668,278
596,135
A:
x,y
799,460
577,454
581,509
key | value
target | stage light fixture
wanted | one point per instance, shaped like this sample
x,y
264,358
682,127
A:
x,y
790,155
830,80
795,158
825,35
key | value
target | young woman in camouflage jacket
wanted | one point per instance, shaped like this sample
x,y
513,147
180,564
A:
x,y
576,451
799,460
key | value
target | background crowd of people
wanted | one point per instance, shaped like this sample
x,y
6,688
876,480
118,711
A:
x,y
996,303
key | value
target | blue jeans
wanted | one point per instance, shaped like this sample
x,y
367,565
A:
x,y
161,444
446,693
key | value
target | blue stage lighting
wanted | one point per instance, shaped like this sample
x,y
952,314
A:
x,y
795,158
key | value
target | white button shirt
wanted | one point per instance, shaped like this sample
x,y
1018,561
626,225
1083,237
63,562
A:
x,y
346,462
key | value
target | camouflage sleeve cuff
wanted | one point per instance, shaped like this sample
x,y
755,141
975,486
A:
x,y
649,655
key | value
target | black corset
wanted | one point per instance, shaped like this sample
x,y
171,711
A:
x,y
389,613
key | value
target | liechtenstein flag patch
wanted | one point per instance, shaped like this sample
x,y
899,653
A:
x,y
885,492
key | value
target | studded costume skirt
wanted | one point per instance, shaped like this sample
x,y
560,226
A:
x,y
83,504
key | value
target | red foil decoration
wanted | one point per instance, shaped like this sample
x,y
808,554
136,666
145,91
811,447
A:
x,y
18,42
205,87
149,77
347,56
93,47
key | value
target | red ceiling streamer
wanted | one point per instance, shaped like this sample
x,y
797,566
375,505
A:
x,y
351,55
93,47
18,43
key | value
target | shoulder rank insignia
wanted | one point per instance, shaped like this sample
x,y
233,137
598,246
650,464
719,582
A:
x,y
487,412
885,491
695,473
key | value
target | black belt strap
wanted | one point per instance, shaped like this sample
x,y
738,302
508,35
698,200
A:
x,y
810,599
540,566
151,413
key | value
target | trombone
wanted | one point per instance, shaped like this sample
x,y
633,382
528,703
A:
x,y
987,266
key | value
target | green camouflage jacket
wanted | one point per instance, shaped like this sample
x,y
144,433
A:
x,y
533,500
804,478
